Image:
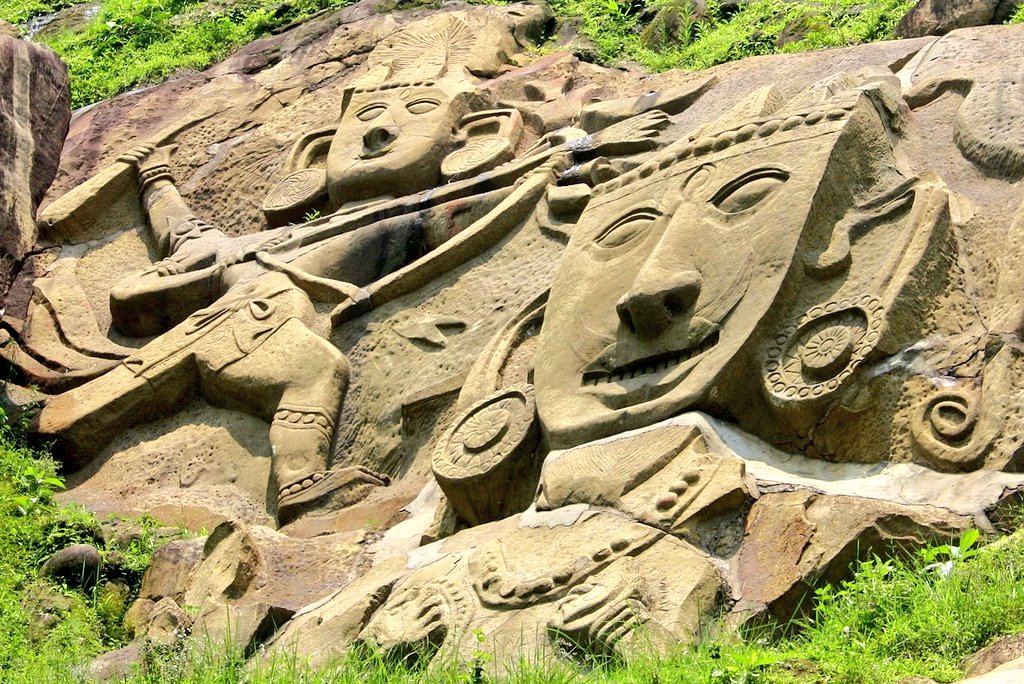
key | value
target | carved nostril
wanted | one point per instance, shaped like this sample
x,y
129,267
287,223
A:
x,y
379,136
649,311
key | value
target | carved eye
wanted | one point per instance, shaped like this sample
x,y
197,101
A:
x,y
627,228
370,112
422,106
748,190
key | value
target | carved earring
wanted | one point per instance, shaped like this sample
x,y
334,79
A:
x,y
305,186
299,192
479,460
490,139
817,353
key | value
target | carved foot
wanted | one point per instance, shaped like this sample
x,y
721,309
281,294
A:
x,y
327,490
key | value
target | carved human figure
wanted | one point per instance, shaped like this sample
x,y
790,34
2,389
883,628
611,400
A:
x,y
236,320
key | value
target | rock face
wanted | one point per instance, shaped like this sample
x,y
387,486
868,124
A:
x,y
938,17
525,348
34,115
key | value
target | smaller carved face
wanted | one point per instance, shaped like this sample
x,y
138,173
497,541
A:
x,y
665,281
391,141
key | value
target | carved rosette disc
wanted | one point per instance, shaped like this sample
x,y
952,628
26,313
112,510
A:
x,y
477,459
485,435
295,194
815,355
476,156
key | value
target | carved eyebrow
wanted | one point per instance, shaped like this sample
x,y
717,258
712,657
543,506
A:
x,y
748,190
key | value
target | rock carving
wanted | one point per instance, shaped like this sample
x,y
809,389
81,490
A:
x,y
577,360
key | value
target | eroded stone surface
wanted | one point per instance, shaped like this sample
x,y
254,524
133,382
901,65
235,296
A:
x,y
35,114
519,347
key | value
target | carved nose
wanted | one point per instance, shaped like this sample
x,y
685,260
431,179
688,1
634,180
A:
x,y
379,136
648,309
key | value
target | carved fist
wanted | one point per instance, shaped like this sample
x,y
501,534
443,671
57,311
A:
x,y
635,134
136,154
146,156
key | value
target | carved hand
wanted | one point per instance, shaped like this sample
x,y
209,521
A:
x,y
635,134
147,156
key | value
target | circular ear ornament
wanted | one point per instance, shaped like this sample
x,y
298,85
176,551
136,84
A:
x,y
814,356
476,156
296,194
479,459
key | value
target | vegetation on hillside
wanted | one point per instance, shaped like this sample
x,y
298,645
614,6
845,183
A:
x,y
51,630
674,34
128,43
123,44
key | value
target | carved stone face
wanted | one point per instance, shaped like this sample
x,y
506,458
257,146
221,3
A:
x,y
667,279
391,141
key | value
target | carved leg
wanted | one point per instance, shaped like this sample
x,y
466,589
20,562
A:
x,y
297,380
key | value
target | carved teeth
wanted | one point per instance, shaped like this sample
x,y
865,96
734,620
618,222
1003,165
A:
x,y
650,366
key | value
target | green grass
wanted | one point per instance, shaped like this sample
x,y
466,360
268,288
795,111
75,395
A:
x,y
137,42
131,43
617,30
32,527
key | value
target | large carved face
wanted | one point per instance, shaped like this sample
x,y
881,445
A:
x,y
391,141
667,278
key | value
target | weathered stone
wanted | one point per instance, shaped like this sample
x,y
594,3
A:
x,y
116,666
562,354
170,569
1008,673
249,565
34,119
167,624
77,565
996,655
938,17
796,541
244,627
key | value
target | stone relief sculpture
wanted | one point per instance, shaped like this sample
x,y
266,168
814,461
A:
x,y
238,311
669,367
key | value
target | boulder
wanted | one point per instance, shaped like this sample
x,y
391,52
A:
x,y
77,566
34,116
996,655
798,540
938,17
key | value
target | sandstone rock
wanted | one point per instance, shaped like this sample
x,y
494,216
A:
x,y
998,654
34,92
168,624
77,565
1008,673
116,666
170,569
244,627
754,322
938,17
252,579
796,541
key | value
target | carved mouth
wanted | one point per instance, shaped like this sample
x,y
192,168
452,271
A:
x,y
650,365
